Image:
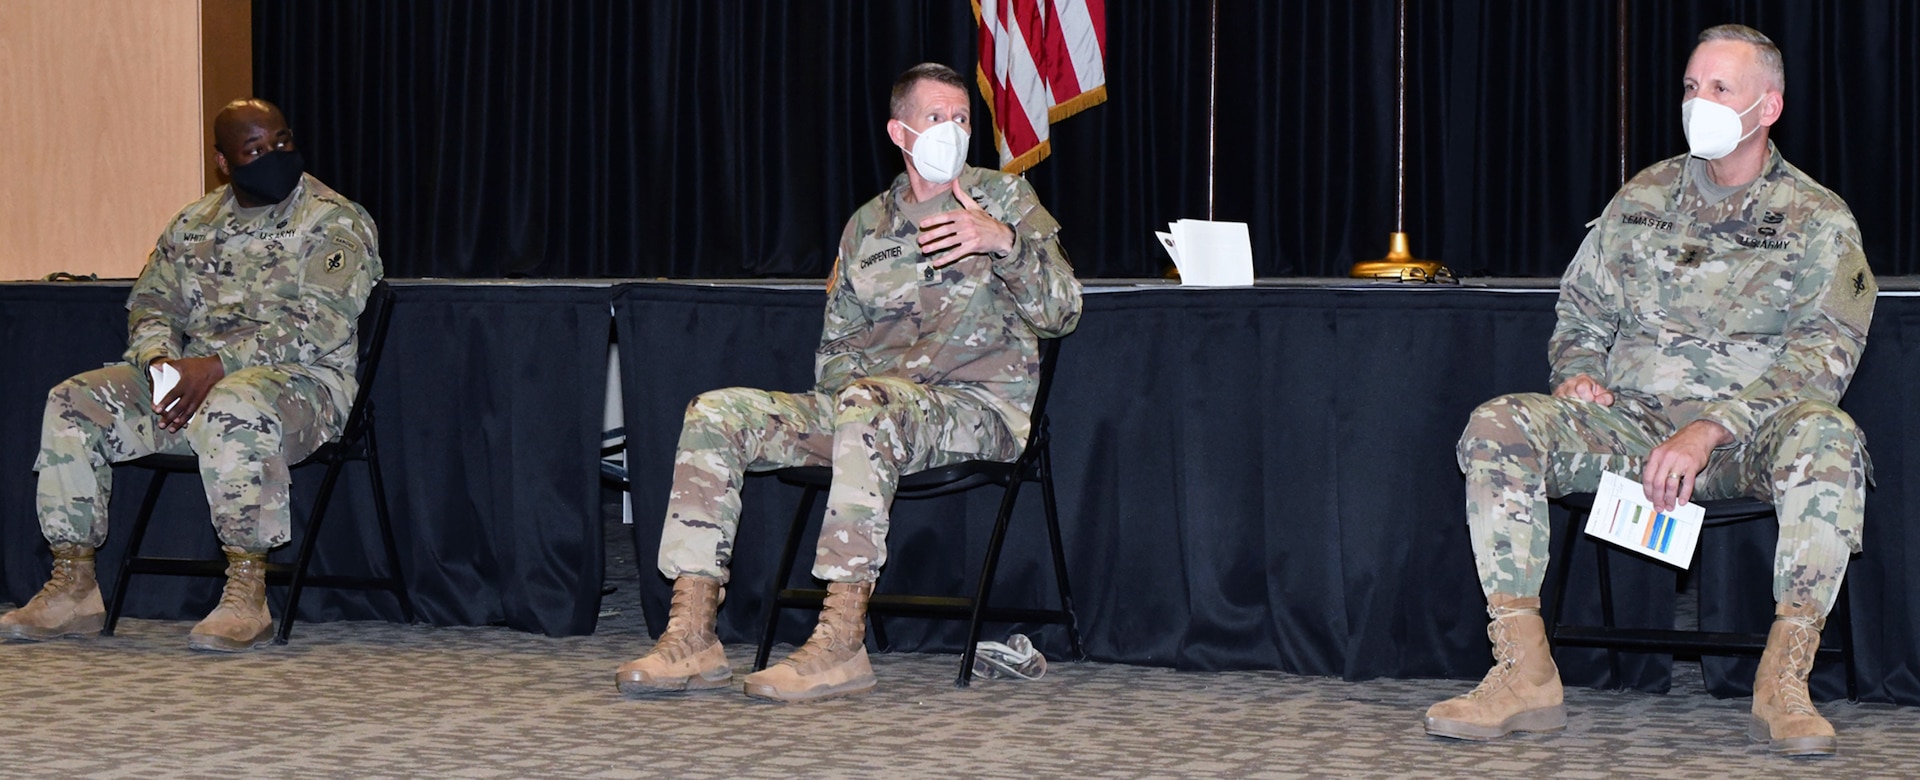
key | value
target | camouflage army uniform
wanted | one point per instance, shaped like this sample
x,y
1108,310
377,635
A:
x,y
917,368
1750,312
274,292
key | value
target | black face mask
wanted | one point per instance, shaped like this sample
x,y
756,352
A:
x,y
271,177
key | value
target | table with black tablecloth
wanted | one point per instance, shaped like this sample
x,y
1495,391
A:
x,y
1255,478
488,406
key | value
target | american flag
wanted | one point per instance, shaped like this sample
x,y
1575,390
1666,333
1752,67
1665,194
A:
x,y
1041,61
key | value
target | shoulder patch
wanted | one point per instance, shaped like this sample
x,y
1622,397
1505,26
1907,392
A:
x,y
1851,298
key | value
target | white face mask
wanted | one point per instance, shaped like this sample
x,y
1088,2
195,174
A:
x,y
940,152
1713,130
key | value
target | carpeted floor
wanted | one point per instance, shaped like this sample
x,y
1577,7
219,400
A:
x,y
365,700
376,700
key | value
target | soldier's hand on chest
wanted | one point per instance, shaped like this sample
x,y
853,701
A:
x,y
965,231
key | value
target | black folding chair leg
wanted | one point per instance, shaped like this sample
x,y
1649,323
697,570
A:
x,y
1843,610
792,549
1563,572
985,588
1606,613
305,557
138,533
394,572
877,634
1059,557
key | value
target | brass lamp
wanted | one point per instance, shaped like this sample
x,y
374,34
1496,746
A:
x,y
1400,263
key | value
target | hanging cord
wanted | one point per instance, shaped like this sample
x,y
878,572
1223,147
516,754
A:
x,y
1213,73
1621,78
1400,126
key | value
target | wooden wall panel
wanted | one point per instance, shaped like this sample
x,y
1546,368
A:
x,y
226,69
104,119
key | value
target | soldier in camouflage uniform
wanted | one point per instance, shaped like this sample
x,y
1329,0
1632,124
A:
x,y
929,356
1707,328
251,293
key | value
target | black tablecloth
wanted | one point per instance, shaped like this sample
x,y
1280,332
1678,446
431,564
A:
x,y
488,411
1256,478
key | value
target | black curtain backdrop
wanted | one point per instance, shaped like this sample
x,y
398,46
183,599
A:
x,y
732,138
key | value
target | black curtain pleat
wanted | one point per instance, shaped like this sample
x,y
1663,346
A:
x,y
733,138
1520,150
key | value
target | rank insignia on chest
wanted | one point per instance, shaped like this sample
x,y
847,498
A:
x,y
1690,256
336,261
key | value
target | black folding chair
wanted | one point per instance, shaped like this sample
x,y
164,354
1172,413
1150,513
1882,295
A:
x,y
355,442
1608,635
1033,465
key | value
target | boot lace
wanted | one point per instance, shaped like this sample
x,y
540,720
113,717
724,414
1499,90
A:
x,y
66,576
682,637
242,591
820,647
1506,652
829,641
1803,640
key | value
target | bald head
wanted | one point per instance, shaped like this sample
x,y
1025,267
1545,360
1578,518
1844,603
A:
x,y
248,128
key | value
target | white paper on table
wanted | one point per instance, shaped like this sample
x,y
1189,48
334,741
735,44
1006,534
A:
x,y
165,376
1623,516
1212,254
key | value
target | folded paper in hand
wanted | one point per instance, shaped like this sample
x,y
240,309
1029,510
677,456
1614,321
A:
x,y
1623,515
165,376
1209,254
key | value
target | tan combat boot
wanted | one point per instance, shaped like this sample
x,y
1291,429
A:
x,y
68,605
688,656
833,662
1783,714
242,621
1520,693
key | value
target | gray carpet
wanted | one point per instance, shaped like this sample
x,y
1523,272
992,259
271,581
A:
x,y
378,700
363,700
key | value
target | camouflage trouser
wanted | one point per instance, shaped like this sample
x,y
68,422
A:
x,y
1808,459
254,424
870,432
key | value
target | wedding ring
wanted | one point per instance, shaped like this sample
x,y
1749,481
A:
x,y
1673,476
